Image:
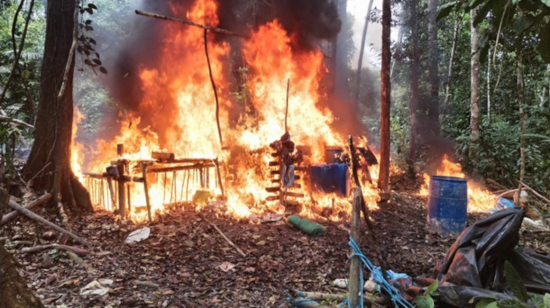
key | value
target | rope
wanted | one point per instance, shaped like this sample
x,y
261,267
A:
x,y
377,276
301,301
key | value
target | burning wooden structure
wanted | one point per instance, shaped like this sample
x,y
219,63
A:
x,y
111,188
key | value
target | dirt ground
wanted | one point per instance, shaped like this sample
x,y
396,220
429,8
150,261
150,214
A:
x,y
185,262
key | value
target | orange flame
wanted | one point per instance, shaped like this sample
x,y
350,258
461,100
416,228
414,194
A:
x,y
179,105
479,198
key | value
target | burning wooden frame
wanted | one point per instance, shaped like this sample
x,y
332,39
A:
x,y
121,171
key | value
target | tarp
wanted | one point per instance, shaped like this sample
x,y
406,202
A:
x,y
474,265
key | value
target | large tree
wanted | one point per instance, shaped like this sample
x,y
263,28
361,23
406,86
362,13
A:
x,y
49,161
433,71
474,88
414,84
385,100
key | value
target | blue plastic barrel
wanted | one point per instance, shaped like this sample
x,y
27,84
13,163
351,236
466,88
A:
x,y
330,178
447,204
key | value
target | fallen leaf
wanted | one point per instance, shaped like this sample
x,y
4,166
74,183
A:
x,y
226,266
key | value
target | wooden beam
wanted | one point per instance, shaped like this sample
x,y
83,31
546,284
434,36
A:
x,y
10,216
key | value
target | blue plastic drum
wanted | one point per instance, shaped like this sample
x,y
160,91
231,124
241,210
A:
x,y
447,204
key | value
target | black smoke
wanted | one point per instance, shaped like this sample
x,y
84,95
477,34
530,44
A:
x,y
307,21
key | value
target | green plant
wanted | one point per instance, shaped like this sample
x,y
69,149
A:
x,y
426,300
523,299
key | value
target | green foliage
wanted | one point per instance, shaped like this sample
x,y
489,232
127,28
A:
x,y
22,94
516,284
526,18
426,300
487,303
86,43
520,292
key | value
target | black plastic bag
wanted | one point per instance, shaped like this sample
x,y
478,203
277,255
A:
x,y
473,268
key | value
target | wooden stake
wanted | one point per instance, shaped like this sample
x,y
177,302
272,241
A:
x,y
121,190
365,210
42,220
213,85
286,112
355,263
224,236
146,189
219,176
10,216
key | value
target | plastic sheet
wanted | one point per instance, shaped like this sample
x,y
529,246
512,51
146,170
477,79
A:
x,y
473,266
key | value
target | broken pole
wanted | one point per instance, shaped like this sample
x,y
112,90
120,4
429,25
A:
x,y
12,215
355,263
40,219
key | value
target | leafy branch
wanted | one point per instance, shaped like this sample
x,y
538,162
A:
x,y
85,42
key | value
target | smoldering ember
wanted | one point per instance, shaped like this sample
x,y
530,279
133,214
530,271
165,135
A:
x,y
262,153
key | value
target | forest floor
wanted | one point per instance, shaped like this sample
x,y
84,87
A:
x,y
186,263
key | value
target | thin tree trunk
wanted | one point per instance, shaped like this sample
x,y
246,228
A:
x,y
18,54
488,86
49,160
451,61
341,86
414,86
433,72
385,100
400,35
522,119
474,89
361,52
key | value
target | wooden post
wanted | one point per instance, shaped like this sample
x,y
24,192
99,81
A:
x,y
219,176
201,176
146,189
121,190
129,198
355,263
111,192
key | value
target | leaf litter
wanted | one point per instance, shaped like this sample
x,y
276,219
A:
x,y
184,262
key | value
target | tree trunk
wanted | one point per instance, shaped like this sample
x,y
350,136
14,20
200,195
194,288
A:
x,y
433,107
361,52
49,160
522,119
451,61
474,89
414,85
341,86
14,292
489,84
385,101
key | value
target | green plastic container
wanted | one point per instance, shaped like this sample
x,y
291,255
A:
x,y
307,226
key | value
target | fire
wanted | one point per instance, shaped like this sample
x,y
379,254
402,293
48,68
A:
x,y
77,149
177,114
479,198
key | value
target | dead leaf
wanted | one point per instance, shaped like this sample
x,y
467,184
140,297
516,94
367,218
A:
x,y
226,266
